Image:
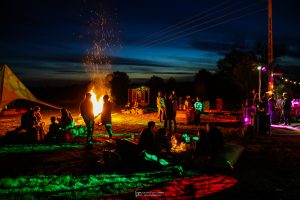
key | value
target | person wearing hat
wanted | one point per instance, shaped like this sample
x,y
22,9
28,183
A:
x,y
87,113
106,115
286,108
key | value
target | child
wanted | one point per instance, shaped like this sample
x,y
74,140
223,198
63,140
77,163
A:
x,y
53,134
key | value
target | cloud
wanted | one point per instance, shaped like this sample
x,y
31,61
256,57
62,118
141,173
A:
x,y
218,47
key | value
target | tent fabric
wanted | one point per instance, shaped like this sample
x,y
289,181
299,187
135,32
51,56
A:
x,y
11,88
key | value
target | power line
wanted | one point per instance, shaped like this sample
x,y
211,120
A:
x,y
190,33
192,27
183,22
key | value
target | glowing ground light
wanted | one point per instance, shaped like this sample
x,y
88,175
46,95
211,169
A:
x,y
193,187
95,186
286,127
97,103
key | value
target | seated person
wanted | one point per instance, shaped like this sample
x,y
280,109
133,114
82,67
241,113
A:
x,y
127,106
54,131
147,138
28,123
66,120
136,104
215,138
161,141
202,145
27,119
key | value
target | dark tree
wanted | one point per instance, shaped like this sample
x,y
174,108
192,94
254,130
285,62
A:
x,y
119,87
241,69
156,84
203,84
171,84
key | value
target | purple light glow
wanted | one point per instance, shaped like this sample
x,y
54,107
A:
x,y
286,127
264,69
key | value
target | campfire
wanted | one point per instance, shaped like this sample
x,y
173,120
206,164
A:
x,y
97,104
178,147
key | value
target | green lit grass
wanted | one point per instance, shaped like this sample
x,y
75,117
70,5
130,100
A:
x,y
23,148
89,186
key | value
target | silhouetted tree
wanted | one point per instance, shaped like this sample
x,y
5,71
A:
x,y
119,87
203,84
156,84
171,84
241,69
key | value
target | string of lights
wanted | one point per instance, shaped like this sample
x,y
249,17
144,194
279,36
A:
x,y
287,80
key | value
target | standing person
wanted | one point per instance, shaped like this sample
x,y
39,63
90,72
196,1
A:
x,y
39,124
171,109
286,108
279,105
174,101
106,115
160,103
271,108
263,104
254,98
87,113
198,109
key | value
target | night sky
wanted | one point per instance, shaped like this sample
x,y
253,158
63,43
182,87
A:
x,y
45,42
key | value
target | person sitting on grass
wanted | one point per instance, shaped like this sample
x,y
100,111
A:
x,y
163,145
202,145
66,120
29,124
27,119
147,138
54,131
215,138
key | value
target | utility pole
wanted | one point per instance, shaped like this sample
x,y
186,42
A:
x,y
270,49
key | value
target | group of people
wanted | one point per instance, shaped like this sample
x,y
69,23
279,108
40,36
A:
x,y
167,105
87,113
210,141
268,105
155,142
59,127
31,121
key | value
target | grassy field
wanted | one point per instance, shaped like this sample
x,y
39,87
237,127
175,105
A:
x,y
268,167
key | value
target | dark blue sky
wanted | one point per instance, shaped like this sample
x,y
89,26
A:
x,y
45,42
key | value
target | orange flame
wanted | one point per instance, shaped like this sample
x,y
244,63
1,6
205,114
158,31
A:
x,y
178,147
97,103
